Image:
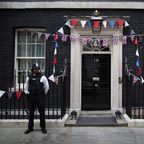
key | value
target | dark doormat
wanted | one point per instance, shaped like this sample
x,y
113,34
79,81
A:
x,y
97,121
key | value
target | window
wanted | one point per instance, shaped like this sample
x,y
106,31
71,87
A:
x,y
29,49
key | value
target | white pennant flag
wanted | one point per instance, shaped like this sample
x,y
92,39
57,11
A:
x,y
39,35
61,30
55,51
52,78
104,24
1,93
83,23
68,23
53,69
137,53
142,80
126,24
47,36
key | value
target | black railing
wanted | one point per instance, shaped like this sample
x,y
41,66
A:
x,y
14,103
133,97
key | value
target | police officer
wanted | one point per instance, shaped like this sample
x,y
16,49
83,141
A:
x,y
36,87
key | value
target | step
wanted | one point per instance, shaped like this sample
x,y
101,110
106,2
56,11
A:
x,y
96,118
95,113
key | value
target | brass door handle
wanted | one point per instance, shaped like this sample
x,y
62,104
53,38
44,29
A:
x,y
96,78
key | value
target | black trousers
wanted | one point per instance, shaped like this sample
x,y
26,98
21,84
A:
x,y
36,101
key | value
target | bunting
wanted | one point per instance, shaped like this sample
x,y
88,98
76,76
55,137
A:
x,y
142,80
96,23
120,23
51,78
135,79
10,94
61,30
39,35
112,23
137,62
97,41
68,23
137,53
18,94
74,22
47,36
2,93
104,24
83,23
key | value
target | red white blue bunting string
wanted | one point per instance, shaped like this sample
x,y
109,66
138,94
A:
x,y
97,40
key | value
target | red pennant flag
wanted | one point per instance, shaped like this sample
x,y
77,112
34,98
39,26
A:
x,y
139,71
120,23
136,41
18,94
74,22
55,60
96,23
56,37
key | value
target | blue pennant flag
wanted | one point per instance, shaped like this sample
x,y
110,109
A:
x,y
137,63
90,23
112,23
56,44
132,32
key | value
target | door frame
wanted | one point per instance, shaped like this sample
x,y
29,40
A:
x,y
116,69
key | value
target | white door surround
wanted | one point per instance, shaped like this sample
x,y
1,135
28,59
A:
x,y
76,65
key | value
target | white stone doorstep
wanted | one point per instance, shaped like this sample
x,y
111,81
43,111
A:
x,y
134,122
16,123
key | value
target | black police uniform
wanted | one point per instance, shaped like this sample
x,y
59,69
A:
x,y
37,99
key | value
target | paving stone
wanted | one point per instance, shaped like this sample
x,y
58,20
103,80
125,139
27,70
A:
x,y
74,135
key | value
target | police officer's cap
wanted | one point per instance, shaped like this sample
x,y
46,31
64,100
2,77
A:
x,y
35,66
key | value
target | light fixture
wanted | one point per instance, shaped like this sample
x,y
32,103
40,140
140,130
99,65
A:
x,y
96,13
96,22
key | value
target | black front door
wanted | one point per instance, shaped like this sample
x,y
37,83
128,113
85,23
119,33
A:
x,y
96,81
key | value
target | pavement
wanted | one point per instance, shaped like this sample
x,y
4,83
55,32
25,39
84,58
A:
x,y
74,135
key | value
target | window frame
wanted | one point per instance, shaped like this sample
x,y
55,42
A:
x,y
16,58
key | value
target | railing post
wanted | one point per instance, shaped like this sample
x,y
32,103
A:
x,y
64,97
128,99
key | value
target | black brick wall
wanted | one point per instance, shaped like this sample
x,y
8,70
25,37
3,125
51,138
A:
x,y
52,20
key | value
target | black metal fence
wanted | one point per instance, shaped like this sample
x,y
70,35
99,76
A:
x,y
133,97
14,102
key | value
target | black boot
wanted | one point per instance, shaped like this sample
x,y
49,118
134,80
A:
x,y
44,131
28,131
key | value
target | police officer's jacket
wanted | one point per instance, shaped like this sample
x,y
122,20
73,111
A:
x,y
37,84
